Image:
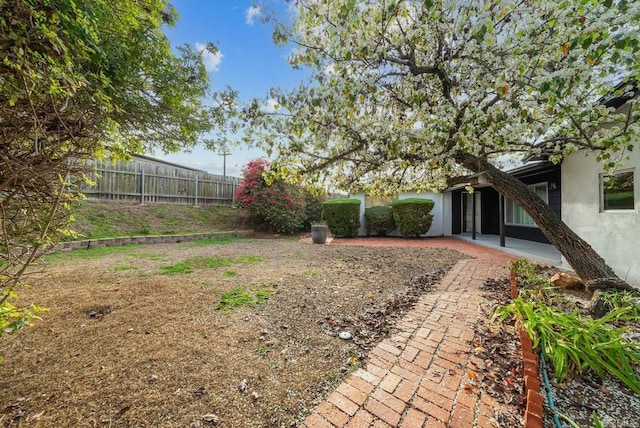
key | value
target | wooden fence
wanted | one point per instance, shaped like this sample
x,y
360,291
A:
x,y
156,182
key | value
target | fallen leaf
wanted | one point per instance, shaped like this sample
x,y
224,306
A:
x,y
32,418
211,418
123,410
472,375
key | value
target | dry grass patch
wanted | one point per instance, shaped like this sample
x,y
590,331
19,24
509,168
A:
x,y
134,347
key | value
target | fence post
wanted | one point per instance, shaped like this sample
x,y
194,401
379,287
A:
x,y
196,195
142,187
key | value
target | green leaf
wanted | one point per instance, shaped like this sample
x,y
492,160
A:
x,y
573,344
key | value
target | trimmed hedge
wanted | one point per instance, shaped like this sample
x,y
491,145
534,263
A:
x,y
413,216
343,216
379,219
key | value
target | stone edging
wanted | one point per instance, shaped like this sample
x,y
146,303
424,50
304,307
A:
x,y
144,239
533,412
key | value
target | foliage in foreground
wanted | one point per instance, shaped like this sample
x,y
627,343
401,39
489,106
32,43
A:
x,y
82,80
575,344
13,318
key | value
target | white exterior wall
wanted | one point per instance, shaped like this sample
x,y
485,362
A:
x,y
362,231
615,235
438,225
447,213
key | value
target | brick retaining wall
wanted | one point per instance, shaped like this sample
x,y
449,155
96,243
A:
x,y
144,240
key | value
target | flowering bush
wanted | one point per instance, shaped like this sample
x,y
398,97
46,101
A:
x,y
279,207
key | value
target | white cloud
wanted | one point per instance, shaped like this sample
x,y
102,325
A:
x,y
211,60
251,13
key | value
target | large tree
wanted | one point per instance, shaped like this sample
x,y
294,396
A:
x,y
413,94
82,79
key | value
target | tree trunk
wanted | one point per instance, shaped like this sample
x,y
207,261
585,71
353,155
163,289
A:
x,y
585,261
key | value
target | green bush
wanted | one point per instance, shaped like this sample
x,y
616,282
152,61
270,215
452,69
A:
x,y
343,216
413,216
379,219
313,208
575,344
278,207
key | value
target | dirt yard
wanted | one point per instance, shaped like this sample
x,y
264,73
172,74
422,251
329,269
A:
x,y
139,336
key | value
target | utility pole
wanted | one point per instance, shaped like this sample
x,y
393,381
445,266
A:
x,y
224,174
224,165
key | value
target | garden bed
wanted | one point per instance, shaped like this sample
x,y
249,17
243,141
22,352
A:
x,y
583,398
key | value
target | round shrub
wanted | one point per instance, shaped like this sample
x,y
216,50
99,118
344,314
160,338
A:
x,y
343,216
412,216
379,219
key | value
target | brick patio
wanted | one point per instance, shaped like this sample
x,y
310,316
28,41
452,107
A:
x,y
417,377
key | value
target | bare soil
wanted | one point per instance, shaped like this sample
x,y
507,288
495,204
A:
x,y
124,345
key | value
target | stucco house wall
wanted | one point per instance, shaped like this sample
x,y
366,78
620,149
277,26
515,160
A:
x,y
615,235
361,196
447,214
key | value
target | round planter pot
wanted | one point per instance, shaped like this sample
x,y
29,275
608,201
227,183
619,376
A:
x,y
319,234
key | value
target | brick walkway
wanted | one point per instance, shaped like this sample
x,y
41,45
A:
x,y
417,377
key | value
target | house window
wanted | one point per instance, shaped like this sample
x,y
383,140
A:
x,y
617,191
516,215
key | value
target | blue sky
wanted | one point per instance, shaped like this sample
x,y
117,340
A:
x,y
248,61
